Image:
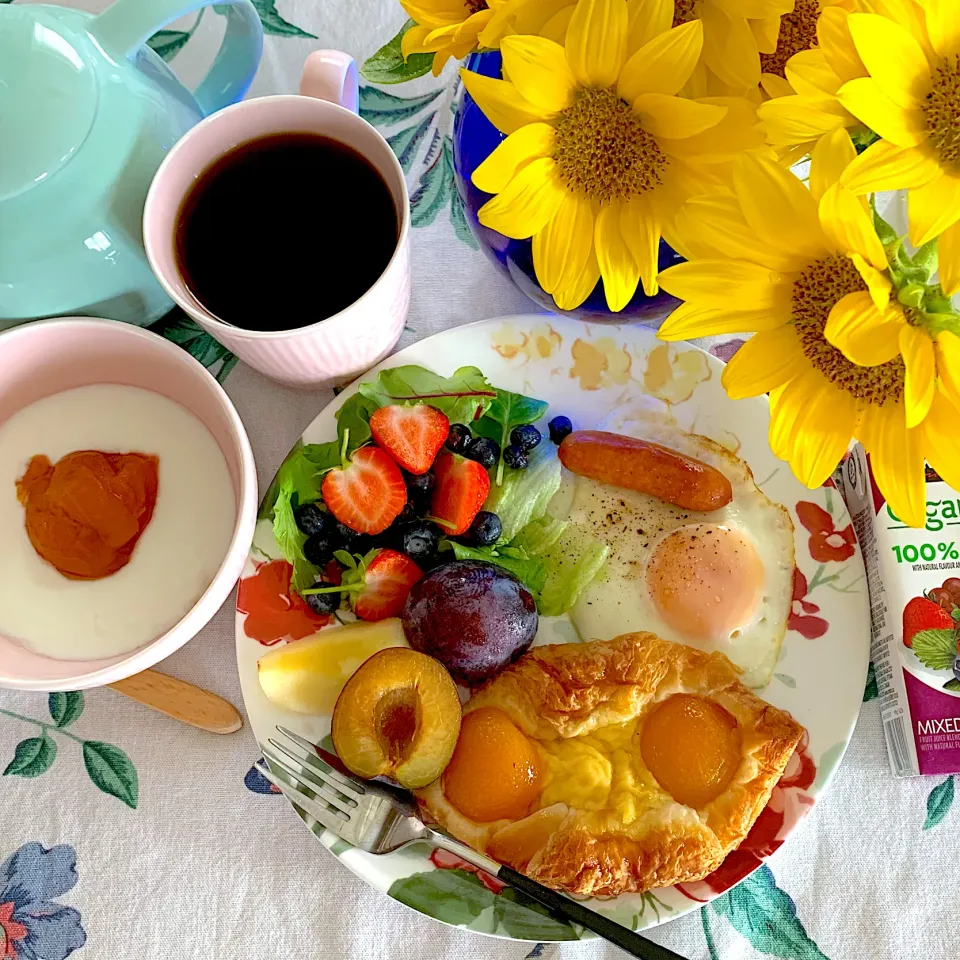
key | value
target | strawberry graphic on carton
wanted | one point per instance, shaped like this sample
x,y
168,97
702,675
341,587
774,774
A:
x,y
931,628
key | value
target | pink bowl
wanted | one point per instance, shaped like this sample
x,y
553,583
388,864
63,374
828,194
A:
x,y
47,357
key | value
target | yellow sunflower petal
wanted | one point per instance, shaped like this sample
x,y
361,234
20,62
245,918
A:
x,y
849,226
885,166
949,250
538,68
811,75
792,120
501,103
869,104
413,41
834,38
570,297
523,145
714,226
766,361
811,424
597,41
729,48
647,19
721,283
878,282
948,365
897,461
941,446
766,31
862,333
921,378
895,60
943,25
436,13
738,130
755,9
932,208
528,203
830,157
905,13
556,27
664,64
674,117
691,320
641,229
617,265
562,248
778,206
774,86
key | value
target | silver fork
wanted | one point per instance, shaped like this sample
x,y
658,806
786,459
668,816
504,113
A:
x,y
379,818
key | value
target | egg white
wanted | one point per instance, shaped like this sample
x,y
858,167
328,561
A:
x,y
633,524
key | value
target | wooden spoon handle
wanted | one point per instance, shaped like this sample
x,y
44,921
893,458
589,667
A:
x,y
181,700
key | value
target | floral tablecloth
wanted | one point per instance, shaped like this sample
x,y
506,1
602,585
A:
x,y
126,835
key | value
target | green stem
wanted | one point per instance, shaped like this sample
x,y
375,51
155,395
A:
x,y
44,727
708,934
343,448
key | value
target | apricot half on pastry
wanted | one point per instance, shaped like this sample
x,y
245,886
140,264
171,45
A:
x,y
398,716
495,773
692,746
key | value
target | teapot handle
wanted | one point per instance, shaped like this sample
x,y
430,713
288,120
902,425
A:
x,y
126,25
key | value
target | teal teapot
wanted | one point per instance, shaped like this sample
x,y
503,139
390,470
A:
x,y
87,113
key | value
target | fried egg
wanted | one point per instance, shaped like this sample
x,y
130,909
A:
x,y
721,581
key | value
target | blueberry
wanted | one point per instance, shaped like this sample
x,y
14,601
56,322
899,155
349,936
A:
x,y
956,668
311,519
560,427
485,529
516,458
486,452
419,541
420,485
323,602
459,438
350,540
407,514
319,548
525,437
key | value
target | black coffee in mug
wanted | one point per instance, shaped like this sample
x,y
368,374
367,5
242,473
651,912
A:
x,y
284,231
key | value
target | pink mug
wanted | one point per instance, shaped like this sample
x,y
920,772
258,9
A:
x,y
333,349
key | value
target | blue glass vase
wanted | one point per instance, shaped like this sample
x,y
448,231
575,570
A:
x,y
474,139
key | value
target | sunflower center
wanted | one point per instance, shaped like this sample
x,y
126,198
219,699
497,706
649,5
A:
x,y
815,292
941,110
683,11
602,151
798,31
475,6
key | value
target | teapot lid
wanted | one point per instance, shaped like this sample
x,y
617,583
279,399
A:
x,y
48,96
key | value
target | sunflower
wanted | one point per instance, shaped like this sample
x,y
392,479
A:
x,y
600,152
805,104
446,28
805,272
911,98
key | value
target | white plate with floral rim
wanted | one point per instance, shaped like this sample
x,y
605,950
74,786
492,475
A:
x,y
586,372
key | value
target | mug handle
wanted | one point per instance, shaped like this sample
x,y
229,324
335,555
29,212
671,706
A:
x,y
332,75
126,25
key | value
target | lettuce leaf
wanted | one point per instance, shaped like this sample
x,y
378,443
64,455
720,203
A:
x,y
290,538
538,536
354,416
571,562
464,397
303,471
528,570
509,410
524,495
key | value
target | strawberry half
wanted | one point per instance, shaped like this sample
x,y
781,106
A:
x,y
368,494
411,435
387,581
462,487
923,614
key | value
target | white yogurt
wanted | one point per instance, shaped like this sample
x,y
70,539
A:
x,y
175,559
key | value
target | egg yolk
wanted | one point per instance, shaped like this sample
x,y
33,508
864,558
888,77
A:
x,y
495,772
692,747
86,512
705,581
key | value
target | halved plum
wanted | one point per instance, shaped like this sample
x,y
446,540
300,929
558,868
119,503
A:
x,y
398,716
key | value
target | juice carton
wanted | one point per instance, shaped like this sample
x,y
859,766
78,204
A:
x,y
913,576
